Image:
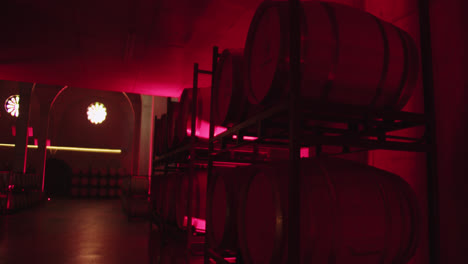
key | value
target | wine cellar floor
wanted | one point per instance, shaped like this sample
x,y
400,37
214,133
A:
x,y
74,232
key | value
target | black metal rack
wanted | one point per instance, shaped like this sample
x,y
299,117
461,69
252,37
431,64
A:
x,y
362,129
185,157
286,126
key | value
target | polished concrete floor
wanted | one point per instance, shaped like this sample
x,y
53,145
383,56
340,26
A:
x,y
73,232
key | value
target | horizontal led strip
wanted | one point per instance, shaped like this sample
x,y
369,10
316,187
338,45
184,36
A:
x,y
96,150
99,150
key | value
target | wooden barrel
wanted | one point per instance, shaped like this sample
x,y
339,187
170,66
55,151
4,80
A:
x,y
75,191
231,104
138,185
162,134
223,201
349,58
95,175
350,213
156,139
103,192
184,124
93,192
4,180
103,180
158,192
84,192
172,118
112,181
169,186
112,192
198,198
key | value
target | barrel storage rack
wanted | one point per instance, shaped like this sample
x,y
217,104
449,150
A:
x,y
359,131
364,132
19,191
187,157
293,125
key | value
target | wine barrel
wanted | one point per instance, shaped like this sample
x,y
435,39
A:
x,y
84,192
350,212
103,192
223,201
184,124
138,185
198,197
103,180
113,180
349,58
93,192
4,180
162,134
75,180
75,191
169,186
156,136
172,118
231,104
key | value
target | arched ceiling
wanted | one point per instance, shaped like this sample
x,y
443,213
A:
x,y
137,46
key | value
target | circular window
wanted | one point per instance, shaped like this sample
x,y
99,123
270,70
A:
x,y
97,113
12,105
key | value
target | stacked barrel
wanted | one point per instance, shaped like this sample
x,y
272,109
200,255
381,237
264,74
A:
x,y
172,196
350,61
173,129
134,195
19,191
97,183
350,212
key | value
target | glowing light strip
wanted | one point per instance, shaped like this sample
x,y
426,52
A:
x,y
97,150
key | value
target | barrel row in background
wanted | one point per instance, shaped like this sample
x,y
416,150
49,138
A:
x,y
96,183
19,182
19,191
22,200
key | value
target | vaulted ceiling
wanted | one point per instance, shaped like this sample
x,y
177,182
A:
x,y
138,46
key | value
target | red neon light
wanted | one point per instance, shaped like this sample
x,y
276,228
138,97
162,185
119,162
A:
x,y
203,129
199,224
248,138
305,153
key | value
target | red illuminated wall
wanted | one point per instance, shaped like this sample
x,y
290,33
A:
x,y
69,126
410,166
449,52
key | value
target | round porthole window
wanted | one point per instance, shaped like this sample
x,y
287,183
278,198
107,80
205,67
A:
x,y
97,113
12,105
